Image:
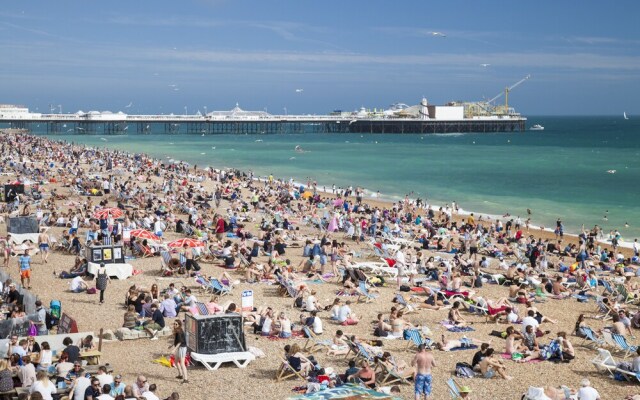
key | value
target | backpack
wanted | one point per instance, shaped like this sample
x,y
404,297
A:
x,y
49,320
464,370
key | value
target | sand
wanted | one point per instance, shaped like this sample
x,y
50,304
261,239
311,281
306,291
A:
x,y
130,358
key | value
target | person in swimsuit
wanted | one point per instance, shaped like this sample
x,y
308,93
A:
x,y
43,243
423,361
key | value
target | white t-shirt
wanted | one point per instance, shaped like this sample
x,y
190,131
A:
x,y
105,379
588,393
266,325
512,318
45,391
150,396
526,321
317,325
105,396
75,283
311,303
343,313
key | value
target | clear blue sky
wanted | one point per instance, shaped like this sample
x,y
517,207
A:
x,y
584,56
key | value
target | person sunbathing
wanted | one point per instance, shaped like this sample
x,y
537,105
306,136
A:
x,y
448,344
512,341
400,367
539,317
299,361
490,366
338,345
454,315
366,374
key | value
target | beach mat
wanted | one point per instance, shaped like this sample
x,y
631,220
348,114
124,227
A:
x,y
470,347
460,329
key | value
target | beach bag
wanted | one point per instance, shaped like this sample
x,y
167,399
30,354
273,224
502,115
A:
x,y
92,290
464,370
33,330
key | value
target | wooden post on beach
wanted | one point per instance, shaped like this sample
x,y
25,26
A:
x,y
100,340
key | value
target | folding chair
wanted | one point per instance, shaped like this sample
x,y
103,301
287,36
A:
x,y
590,338
390,376
219,287
362,288
202,308
416,339
454,389
604,361
312,344
622,344
286,371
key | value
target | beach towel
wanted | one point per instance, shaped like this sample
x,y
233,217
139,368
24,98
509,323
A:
x,y
460,329
470,347
508,356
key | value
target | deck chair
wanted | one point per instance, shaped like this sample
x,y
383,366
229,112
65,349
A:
x,y
202,308
626,296
141,251
454,389
363,354
285,371
607,287
607,337
605,312
219,287
362,288
415,338
629,375
590,338
604,361
389,376
623,346
406,308
313,344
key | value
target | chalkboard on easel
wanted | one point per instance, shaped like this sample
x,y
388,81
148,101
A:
x,y
67,324
214,334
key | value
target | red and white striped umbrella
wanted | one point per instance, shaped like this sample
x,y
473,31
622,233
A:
x,y
145,234
179,243
104,213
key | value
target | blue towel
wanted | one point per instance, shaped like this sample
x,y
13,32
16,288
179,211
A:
x,y
473,346
460,329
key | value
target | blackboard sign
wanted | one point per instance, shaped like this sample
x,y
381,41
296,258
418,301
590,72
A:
x,y
20,225
16,326
67,324
214,334
11,191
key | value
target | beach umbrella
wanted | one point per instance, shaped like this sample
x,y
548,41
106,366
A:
x,y
104,213
145,234
306,195
179,243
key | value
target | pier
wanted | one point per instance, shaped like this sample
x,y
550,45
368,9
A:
x,y
241,122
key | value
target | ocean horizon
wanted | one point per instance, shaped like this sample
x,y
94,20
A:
x,y
562,172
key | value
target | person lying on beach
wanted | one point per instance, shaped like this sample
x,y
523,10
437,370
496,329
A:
x,y
448,344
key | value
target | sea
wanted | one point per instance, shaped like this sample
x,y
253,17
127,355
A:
x,y
582,170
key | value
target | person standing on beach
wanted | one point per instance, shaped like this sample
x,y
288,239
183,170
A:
x,y
180,350
400,264
102,279
43,244
25,269
423,361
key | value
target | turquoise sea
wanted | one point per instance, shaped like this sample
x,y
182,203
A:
x,y
558,172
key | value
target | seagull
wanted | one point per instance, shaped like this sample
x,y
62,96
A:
x,y
611,171
299,90
440,34
103,139
129,105
484,65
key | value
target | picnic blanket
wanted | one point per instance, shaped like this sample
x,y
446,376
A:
x,y
470,347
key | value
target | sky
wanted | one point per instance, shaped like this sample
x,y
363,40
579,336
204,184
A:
x,y
303,57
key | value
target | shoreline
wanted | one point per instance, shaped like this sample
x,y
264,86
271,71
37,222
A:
x,y
384,200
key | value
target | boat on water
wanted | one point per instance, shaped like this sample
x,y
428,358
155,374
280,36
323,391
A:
x,y
537,127
625,115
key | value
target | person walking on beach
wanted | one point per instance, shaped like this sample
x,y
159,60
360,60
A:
x,y
102,279
400,264
25,269
43,244
423,361
180,350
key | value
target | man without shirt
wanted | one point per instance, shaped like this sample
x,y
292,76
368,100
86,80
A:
x,y
423,361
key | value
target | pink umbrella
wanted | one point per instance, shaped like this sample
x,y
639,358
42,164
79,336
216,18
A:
x,y
145,234
179,243
104,213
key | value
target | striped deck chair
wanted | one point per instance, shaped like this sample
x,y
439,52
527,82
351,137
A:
x,y
219,287
605,313
313,344
415,338
624,293
166,259
604,361
590,338
454,389
607,337
202,309
622,345
362,288
389,375
607,287
363,354
401,301
183,261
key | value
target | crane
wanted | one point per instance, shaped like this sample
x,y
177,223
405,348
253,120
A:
x,y
506,93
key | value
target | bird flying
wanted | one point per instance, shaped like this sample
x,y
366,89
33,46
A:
x,y
438,34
